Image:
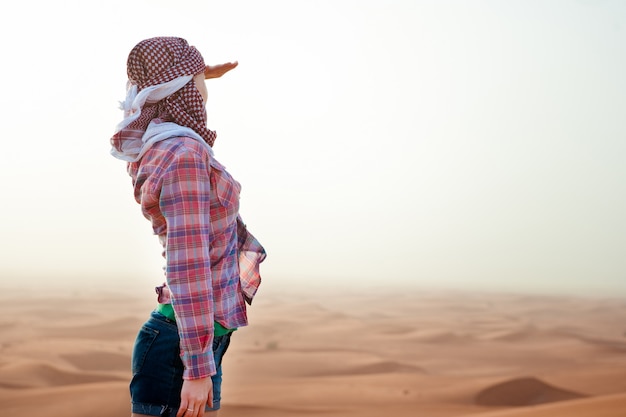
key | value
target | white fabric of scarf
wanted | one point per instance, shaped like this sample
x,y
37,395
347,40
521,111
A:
x,y
133,150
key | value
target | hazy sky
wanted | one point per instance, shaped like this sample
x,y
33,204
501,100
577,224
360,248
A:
x,y
464,144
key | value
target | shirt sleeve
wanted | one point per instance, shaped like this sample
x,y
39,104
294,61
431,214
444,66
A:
x,y
185,205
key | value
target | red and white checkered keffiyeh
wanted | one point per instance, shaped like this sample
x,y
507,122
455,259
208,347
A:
x,y
163,67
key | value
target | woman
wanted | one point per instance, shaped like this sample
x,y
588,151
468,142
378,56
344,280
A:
x,y
211,260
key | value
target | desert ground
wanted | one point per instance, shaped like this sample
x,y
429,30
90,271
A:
x,y
367,352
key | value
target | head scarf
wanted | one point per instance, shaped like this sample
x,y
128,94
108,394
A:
x,y
161,89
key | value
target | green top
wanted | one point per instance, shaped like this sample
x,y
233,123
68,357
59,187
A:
x,y
168,311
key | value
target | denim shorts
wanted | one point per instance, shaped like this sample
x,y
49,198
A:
x,y
158,370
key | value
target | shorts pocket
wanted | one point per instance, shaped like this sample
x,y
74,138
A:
x,y
220,345
143,343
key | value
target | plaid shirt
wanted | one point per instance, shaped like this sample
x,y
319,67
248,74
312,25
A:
x,y
212,262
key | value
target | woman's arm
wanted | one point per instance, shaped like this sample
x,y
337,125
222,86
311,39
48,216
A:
x,y
184,203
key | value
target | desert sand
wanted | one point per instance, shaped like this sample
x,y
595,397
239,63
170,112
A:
x,y
337,353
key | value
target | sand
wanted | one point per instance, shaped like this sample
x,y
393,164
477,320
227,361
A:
x,y
357,353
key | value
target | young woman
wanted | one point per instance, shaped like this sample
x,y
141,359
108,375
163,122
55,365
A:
x,y
211,260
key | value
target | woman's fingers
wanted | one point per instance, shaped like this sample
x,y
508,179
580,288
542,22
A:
x,y
216,71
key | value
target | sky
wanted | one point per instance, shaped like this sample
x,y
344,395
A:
x,y
420,143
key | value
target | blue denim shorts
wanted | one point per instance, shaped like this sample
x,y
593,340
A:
x,y
158,370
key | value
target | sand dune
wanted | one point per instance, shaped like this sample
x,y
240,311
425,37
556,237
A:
x,y
523,392
419,353
43,374
603,406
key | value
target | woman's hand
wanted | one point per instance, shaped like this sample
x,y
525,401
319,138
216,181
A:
x,y
216,71
195,395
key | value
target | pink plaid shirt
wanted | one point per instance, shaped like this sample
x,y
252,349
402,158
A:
x,y
212,262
